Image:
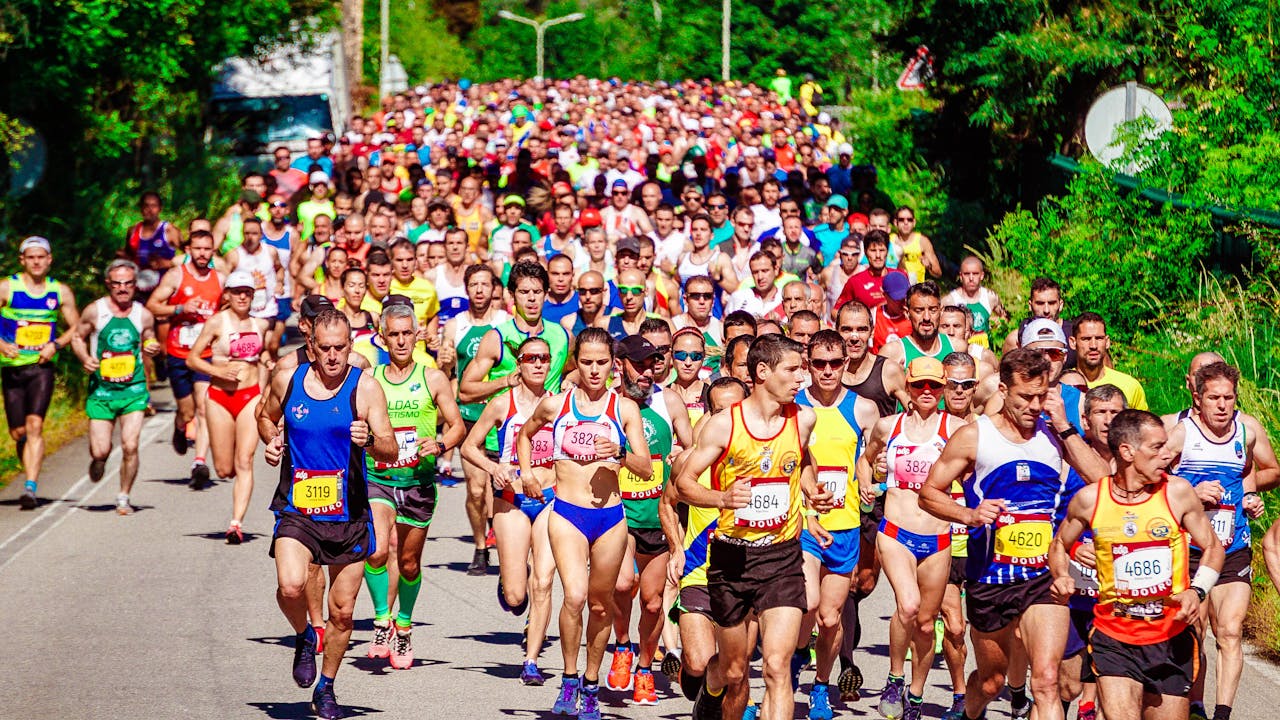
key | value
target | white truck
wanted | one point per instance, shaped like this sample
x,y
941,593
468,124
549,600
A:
x,y
296,92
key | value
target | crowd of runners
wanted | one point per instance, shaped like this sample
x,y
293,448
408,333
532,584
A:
x,y
690,363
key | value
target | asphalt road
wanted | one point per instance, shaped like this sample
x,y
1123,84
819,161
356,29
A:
x,y
154,616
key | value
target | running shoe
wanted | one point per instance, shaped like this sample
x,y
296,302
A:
x,y
820,702
304,660
956,711
1022,712
235,535
1198,712
707,707
892,699
672,665
97,468
590,707
490,540
567,703
479,563
402,650
381,645
530,674
122,505
199,476
850,682
799,661
319,639
912,711
516,610
180,443
1090,714
645,693
325,705
619,678
28,500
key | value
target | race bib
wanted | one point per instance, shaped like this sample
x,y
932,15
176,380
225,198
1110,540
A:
x,y
543,443
1023,539
958,528
1144,570
835,480
187,334
1086,580
911,468
1223,519
32,335
770,501
579,441
407,441
318,493
632,487
117,367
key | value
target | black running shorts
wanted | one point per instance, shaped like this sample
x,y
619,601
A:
x,y
992,607
330,543
742,578
1163,668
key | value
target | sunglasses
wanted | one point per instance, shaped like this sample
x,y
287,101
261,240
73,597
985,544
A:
x,y
700,296
832,364
630,289
1054,354
532,358
281,204
968,384
590,291
926,385
849,254
121,283
720,206
905,219
622,194
687,355
663,349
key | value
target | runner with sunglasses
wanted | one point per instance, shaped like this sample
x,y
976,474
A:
x,y
699,303
831,547
957,397
592,311
627,321
688,353
914,546
519,505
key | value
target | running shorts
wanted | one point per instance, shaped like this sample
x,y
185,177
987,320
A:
x,y
1237,567
415,505
330,543
695,599
112,404
956,575
28,390
842,557
743,578
992,607
182,379
1164,668
649,541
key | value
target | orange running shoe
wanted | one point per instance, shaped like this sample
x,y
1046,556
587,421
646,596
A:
x,y
645,693
619,678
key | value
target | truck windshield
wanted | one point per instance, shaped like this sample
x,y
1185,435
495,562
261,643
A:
x,y
251,125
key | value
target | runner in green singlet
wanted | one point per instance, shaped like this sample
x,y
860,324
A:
x,y
119,332
924,310
403,491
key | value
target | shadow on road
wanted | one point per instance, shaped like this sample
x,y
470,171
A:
x,y
460,566
493,637
381,666
111,507
294,710
222,536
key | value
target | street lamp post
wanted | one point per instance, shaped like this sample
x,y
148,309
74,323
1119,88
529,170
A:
x,y
726,23
541,29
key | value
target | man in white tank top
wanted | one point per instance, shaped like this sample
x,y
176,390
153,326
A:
x,y
834,276
263,264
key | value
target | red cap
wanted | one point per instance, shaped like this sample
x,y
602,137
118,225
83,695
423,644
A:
x,y
561,188
590,218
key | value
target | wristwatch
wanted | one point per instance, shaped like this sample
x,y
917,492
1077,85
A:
x,y
1200,593
1064,434
622,452
369,441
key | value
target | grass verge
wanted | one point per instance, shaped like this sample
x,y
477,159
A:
x,y
64,422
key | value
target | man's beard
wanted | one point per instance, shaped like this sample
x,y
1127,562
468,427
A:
x,y
636,391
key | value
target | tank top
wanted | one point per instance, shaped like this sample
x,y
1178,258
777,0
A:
x,y
322,475
364,328
452,296
1142,563
282,245
29,321
117,345
556,337
1204,460
873,389
466,338
574,434
259,265
909,462
772,467
640,498
835,445
413,413
698,528
687,268
912,257
510,428
911,351
199,299
470,221
1028,477
154,245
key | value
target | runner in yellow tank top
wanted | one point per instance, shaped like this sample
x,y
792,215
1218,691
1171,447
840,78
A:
x,y
917,250
471,214
1144,642
761,467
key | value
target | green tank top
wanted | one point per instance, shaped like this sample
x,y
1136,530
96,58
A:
x,y
640,498
468,346
118,349
981,317
556,337
29,321
413,417
911,351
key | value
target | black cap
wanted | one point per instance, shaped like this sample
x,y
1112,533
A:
x,y
628,244
635,348
312,305
390,300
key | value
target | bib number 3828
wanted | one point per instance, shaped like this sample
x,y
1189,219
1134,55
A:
x,y
770,502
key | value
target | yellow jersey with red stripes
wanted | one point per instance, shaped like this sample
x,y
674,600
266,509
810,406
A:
x,y
772,467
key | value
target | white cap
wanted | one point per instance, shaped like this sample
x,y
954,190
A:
x,y
35,241
1042,330
708,122
318,176
824,118
845,149
239,279
751,151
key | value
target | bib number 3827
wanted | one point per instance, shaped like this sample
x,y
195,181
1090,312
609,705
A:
x,y
318,493
770,502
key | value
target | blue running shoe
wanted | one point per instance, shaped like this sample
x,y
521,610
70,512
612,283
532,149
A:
x,y
590,709
752,711
304,658
892,699
820,702
531,675
325,705
567,703
956,712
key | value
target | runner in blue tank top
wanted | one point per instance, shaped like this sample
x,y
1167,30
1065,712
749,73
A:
x,y
332,414
1013,473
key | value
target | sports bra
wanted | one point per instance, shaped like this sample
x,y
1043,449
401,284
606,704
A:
x,y
909,461
511,426
246,346
574,435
